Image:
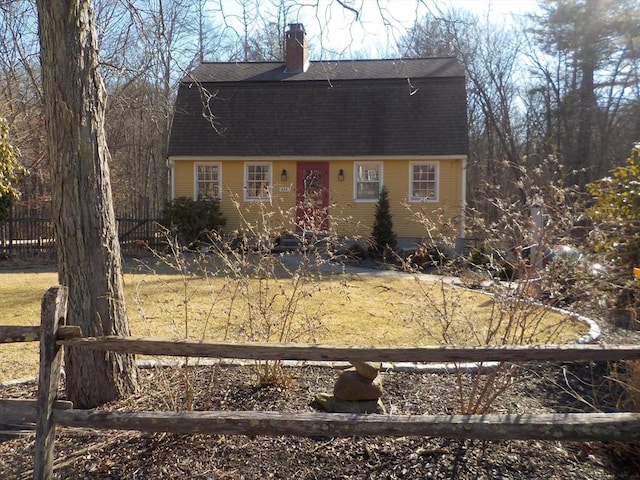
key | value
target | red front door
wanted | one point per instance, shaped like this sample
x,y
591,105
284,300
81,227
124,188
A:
x,y
312,196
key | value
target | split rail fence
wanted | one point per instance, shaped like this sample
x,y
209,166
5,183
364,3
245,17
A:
x,y
47,411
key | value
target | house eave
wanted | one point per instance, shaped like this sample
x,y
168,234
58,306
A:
x,y
310,158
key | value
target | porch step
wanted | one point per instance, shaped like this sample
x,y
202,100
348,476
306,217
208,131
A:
x,y
286,244
292,243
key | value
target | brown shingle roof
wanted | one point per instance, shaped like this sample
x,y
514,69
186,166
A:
x,y
328,70
344,108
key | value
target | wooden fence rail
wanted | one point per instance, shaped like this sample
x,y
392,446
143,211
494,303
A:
x,y
288,351
48,412
19,334
567,426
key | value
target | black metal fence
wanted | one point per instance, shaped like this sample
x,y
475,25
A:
x,y
138,234
28,234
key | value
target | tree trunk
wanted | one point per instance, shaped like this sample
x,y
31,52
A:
x,y
89,260
588,59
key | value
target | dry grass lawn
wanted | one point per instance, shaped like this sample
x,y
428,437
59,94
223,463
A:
x,y
333,309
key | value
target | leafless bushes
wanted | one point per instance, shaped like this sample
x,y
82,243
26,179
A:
x,y
513,234
267,271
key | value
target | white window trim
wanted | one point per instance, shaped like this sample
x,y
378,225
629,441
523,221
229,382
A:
x,y
413,199
247,198
355,181
195,177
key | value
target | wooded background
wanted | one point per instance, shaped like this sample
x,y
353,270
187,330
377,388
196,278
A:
x,y
555,94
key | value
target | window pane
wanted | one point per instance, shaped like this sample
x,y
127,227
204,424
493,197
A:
x,y
367,191
424,182
258,181
208,181
368,177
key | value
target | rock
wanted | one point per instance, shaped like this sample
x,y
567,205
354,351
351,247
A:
x,y
368,370
335,405
353,386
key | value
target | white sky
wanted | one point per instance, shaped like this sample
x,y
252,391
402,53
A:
x,y
342,35
334,32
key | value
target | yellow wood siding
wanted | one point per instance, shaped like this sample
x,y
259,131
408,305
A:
x,y
347,216
356,217
241,214
184,179
274,215
445,211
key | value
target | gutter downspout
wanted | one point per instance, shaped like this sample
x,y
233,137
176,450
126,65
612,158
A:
x,y
172,174
463,208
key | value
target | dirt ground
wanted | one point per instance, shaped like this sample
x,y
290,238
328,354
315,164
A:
x,y
85,453
95,454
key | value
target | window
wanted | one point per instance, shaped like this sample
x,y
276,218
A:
x,y
207,181
368,178
424,182
257,181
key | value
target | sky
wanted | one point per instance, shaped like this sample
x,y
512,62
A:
x,y
335,31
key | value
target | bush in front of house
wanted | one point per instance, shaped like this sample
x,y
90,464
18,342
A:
x,y
495,262
616,236
256,294
426,256
384,238
192,219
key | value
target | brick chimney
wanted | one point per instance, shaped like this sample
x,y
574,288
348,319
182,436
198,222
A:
x,y
297,51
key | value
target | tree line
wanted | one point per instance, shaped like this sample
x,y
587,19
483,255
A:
x,y
561,82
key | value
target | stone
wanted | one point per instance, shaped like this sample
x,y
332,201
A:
x,y
368,370
332,404
353,386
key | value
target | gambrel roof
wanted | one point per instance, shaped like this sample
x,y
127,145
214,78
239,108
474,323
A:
x,y
333,109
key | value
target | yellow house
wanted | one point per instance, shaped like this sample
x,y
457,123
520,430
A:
x,y
313,143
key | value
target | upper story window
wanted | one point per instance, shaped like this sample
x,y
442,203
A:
x,y
368,181
257,181
207,181
424,182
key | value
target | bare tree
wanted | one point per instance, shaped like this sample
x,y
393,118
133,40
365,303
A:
x,y
21,99
586,66
149,46
490,54
89,260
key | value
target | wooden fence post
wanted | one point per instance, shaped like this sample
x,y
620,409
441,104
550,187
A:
x,y
54,310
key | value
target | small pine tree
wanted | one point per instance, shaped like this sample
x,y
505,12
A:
x,y
384,238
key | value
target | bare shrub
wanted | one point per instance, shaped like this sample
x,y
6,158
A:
x,y
268,269
632,400
513,231
193,270
515,320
